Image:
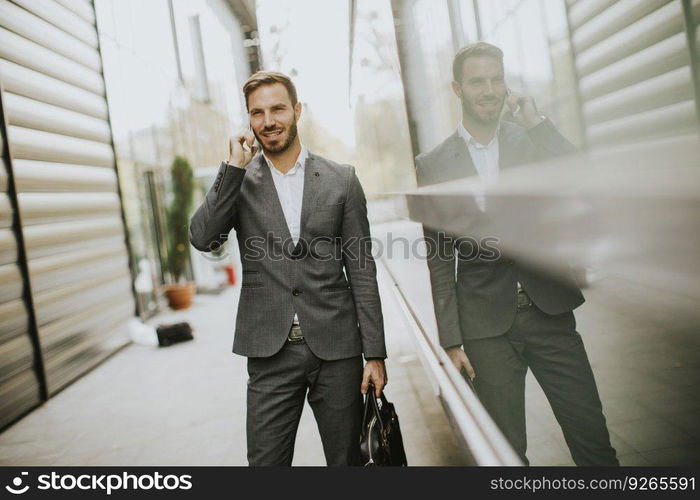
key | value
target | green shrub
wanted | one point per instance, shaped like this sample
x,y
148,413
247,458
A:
x,y
179,216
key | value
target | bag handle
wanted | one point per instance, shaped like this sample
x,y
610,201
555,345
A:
x,y
375,406
365,411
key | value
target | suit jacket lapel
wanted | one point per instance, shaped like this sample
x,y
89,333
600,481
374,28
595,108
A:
x,y
508,150
462,164
312,183
312,187
269,192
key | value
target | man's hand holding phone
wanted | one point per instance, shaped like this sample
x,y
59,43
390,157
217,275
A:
x,y
523,110
241,149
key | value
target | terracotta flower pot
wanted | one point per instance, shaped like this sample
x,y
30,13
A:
x,y
180,295
231,275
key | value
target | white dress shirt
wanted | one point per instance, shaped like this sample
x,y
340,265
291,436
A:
x,y
290,191
485,159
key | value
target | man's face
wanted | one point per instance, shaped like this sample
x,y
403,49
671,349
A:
x,y
273,118
482,89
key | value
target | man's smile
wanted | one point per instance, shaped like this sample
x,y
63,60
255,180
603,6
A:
x,y
489,104
272,134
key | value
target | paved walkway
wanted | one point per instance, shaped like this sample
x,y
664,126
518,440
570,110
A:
x,y
185,404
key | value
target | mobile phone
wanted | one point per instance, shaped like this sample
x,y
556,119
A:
x,y
256,144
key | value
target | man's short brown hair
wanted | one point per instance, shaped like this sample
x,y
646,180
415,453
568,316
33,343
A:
x,y
475,49
261,78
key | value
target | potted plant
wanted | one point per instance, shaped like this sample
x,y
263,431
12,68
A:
x,y
179,292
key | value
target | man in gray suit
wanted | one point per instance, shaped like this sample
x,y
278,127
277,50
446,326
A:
x,y
303,323
507,316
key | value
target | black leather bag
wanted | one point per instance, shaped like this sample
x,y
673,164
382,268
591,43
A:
x,y
381,443
174,333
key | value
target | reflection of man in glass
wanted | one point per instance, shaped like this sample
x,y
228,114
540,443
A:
x,y
508,317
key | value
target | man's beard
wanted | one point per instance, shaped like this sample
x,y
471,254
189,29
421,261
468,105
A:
x,y
468,109
281,148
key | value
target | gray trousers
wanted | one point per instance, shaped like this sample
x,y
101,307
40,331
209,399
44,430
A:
x,y
552,348
277,386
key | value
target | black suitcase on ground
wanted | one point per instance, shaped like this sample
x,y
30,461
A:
x,y
171,334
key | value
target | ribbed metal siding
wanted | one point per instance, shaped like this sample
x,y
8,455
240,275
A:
x,y
19,386
63,163
19,383
633,64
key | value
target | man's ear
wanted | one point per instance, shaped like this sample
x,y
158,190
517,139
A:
x,y
457,89
297,111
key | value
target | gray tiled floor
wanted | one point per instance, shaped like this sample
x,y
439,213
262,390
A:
x,y
185,405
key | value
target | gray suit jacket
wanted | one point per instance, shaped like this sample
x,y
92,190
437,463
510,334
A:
x,y
480,301
340,317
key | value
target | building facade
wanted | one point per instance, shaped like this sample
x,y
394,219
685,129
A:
x,y
97,99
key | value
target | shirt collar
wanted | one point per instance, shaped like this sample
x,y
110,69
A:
x,y
470,141
300,163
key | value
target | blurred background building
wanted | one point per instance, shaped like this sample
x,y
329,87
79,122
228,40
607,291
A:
x,y
99,97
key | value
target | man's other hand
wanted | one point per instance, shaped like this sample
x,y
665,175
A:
x,y
460,360
375,372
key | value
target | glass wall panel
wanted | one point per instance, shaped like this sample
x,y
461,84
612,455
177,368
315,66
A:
x,y
572,216
173,70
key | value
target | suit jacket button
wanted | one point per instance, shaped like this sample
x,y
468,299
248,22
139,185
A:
x,y
296,292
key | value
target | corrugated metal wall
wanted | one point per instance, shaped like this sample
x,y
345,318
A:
x,y
633,64
67,190
19,384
